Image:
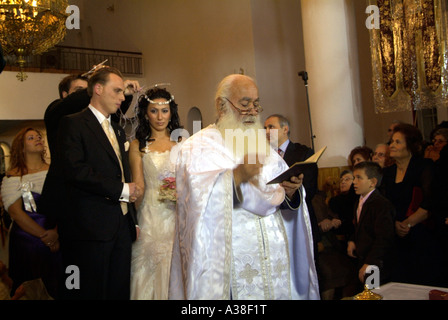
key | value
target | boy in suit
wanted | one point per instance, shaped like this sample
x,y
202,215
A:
x,y
373,239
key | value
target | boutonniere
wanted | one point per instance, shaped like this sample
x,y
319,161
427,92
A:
x,y
126,146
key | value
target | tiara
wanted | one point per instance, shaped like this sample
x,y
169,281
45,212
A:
x,y
159,103
98,66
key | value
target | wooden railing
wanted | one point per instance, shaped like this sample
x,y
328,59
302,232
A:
x,y
64,59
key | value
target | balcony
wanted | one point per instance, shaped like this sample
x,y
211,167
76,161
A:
x,y
74,60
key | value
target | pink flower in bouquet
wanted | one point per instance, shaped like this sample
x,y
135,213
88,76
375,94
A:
x,y
168,189
170,183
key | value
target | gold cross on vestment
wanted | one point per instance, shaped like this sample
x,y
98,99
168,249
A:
x,y
248,273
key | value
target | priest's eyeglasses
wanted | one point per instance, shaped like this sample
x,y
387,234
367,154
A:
x,y
247,110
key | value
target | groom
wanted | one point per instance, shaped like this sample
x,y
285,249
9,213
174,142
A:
x,y
98,224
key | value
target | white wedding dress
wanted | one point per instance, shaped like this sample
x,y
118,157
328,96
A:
x,y
151,253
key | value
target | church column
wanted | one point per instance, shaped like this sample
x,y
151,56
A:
x,y
334,88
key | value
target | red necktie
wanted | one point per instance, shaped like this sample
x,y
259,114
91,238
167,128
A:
x,y
280,152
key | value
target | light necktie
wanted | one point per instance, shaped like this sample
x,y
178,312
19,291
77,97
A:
x,y
113,141
112,138
358,211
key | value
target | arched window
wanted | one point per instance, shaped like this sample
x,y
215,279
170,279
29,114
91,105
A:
x,y
194,115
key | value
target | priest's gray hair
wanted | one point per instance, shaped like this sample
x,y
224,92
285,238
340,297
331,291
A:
x,y
225,88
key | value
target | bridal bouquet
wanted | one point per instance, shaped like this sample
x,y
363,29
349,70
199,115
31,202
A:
x,y
167,190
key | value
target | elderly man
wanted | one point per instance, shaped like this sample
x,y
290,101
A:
x,y
231,241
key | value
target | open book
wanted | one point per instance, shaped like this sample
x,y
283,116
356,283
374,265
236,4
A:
x,y
298,167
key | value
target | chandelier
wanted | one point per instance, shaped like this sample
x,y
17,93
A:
x,y
31,28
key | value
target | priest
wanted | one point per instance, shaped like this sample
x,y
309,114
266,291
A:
x,y
230,240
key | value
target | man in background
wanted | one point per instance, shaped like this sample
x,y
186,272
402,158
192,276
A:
x,y
54,113
71,83
292,153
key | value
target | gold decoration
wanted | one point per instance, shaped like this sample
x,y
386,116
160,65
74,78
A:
x,y
367,294
31,28
248,273
409,55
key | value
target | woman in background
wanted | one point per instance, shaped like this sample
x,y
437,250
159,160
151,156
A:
x,y
440,140
33,244
337,272
408,184
343,206
382,155
360,154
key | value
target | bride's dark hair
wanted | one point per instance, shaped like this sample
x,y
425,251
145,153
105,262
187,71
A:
x,y
143,132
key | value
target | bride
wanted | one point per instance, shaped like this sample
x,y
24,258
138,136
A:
x,y
154,171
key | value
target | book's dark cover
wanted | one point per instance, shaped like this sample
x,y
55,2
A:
x,y
298,168
293,171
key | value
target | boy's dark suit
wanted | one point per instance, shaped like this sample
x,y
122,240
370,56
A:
x,y
92,226
374,234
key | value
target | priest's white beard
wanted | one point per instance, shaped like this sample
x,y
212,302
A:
x,y
244,135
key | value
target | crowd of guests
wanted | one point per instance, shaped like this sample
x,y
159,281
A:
x,y
125,235
387,210
413,190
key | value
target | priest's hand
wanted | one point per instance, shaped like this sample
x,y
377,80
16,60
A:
x,y
292,185
245,171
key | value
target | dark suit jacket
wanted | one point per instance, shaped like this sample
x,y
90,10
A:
x,y
51,193
92,179
375,232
